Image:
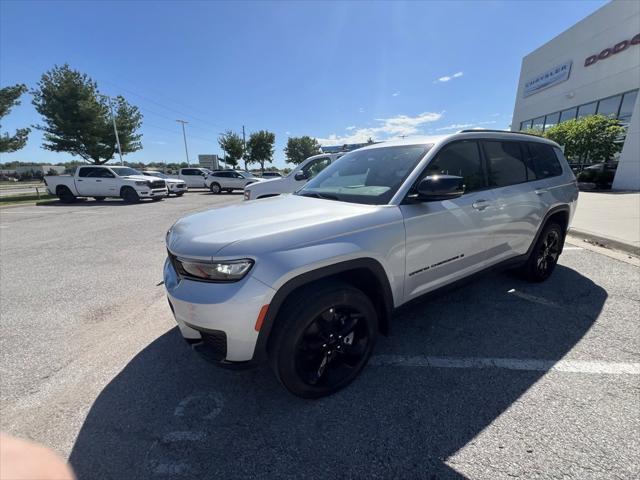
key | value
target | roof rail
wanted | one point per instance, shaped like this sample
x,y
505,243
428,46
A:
x,y
483,130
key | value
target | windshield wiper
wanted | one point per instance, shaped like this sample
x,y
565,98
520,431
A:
x,y
325,196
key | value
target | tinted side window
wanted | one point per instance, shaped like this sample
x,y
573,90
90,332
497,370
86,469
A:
x,y
505,163
461,159
87,172
190,171
103,173
316,166
544,160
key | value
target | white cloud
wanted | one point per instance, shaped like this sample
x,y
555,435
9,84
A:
x,y
351,127
460,126
361,109
395,94
446,78
388,128
287,133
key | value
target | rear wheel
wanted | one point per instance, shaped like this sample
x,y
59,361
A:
x,y
65,195
321,345
544,256
215,188
99,199
129,195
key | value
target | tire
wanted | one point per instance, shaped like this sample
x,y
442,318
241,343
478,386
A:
x,y
320,345
65,195
99,199
129,195
215,188
544,256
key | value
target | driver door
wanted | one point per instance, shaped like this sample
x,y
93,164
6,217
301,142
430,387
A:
x,y
449,239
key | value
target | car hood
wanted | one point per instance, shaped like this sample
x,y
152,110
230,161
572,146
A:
x,y
276,223
146,178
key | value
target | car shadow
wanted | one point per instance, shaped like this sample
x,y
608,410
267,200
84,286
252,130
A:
x,y
85,202
169,413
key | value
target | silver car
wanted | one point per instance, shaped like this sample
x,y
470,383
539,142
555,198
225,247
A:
x,y
309,280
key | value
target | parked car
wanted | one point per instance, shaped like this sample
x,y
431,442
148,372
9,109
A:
x,y
600,174
193,176
271,175
295,180
174,185
230,180
101,181
308,281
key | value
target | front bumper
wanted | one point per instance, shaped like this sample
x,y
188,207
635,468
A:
x,y
220,316
153,193
177,187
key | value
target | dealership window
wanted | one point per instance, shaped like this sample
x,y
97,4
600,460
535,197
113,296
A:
x,y
526,125
569,114
551,120
587,109
609,106
626,109
538,123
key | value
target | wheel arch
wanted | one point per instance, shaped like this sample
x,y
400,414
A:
x,y
365,274
560,214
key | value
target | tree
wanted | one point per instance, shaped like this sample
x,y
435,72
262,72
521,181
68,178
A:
x,y
77,118
298,149
260,147
595,138
232,146
8,99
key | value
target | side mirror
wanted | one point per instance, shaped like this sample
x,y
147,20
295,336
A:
x,y
301,176
440,187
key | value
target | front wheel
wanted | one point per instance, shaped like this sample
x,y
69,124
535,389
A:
x,y
544,256
215,188
129,195
322,344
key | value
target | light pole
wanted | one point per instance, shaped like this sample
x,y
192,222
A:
x,y
184,135
115,129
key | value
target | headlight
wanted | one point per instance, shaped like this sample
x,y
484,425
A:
x,y
223,271
143,183
247,194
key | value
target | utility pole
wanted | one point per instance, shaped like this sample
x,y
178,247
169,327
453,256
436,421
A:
x,y
115,129
244,148
184,135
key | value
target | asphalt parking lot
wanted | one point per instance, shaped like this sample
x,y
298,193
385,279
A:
x,y
495,380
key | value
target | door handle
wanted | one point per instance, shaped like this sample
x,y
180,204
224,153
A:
x,y
480,204
541,191
78,180
98,180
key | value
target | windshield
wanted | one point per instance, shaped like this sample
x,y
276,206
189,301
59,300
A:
x,y
125,171
366,176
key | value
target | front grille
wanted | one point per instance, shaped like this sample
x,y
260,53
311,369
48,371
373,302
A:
x,y
215,343
157,184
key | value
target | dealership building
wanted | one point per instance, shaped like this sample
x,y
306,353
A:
x,y
591,68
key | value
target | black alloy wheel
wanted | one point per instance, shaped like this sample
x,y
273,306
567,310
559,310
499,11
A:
x,y
320,345
545,254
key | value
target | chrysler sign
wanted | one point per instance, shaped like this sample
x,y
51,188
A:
x,y
547,79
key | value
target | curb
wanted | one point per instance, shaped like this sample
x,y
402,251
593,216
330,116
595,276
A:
x,y
606,242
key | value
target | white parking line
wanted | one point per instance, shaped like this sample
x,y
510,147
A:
x,y
568,366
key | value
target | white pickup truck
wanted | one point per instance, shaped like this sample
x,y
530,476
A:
x,y
193,176
101,181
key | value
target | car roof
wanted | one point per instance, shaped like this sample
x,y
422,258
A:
x,y
461,135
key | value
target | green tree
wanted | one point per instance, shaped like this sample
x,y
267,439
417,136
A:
x,y
77,118
298,149
595,138
9,98
232,146
260,147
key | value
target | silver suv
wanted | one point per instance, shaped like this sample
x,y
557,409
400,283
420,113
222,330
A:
x,y
308,281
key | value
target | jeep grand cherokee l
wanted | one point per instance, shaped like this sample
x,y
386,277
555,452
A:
x,y
308,281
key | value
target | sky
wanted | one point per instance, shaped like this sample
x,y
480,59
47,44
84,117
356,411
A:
x,y
338,71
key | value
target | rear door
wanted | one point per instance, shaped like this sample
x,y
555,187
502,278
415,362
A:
x,y
193,177
512,180
447,240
